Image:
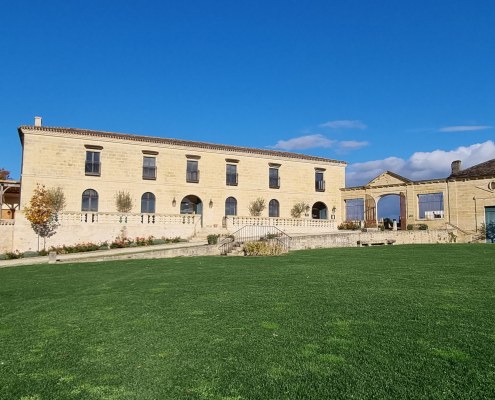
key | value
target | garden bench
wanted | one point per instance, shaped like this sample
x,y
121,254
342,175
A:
x,y
375,242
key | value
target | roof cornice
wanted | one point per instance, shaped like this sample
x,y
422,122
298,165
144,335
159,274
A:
x,y
175,142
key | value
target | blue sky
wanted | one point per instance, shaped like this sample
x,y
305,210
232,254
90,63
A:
x,y
405,86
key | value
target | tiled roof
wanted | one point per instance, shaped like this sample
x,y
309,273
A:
x,y
176,142
483,170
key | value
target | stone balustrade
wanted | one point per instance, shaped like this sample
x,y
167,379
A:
x,y
77,217
298,225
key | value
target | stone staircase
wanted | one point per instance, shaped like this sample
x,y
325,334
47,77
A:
x,y
236,251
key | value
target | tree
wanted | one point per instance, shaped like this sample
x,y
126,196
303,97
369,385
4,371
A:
x,y
299,208
57,199
42,211
123,201
4,174
256,207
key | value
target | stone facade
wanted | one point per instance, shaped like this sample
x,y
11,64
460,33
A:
x,y
466,201
57,157
184,188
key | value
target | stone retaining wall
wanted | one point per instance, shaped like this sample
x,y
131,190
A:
x,y
6,235
353,238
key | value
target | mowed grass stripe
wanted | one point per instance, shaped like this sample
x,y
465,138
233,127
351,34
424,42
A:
x,y
395,322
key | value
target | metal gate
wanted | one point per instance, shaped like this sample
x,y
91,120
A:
x,y
370,212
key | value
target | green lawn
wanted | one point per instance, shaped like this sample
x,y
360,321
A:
x,y
395,322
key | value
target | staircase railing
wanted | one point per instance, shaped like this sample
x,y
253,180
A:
x,y
254,233
459,229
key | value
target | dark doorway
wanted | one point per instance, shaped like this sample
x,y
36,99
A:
x,y
319,211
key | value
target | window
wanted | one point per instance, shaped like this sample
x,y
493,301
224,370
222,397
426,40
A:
x,y
92,163
231,176
89,200
273,208
149,167
354,210
231,206
192,173
319,182
274,179
148,203
430,205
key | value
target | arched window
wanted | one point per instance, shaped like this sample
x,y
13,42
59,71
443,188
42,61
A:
x,y
231,206
273,208
89,200
148,203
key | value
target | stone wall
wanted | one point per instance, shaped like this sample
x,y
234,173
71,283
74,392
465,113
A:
x,y
353,238
464,201
99,227
6,235
56,158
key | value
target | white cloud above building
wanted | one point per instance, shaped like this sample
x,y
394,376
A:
x,y
421,165
464,128
304,142
352,144
318,141
343,124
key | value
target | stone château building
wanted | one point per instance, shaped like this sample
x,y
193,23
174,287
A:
x,y
186,188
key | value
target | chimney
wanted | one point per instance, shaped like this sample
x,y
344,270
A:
x,y
37,121
456,166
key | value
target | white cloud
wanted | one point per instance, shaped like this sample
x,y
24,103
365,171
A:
x,y
304,142
352,144
317,140
464,128
421,165
343,124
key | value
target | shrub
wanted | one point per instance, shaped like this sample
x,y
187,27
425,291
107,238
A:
x,y
348,225
299,208
140,241
12,255
57,198
159,241
27,254
410,227
80,247
256,207
212,239
3,256
121,241
263,248
423,227
123,201
120,244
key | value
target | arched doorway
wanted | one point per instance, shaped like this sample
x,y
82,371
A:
x,y
191,205
319,211
392,206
